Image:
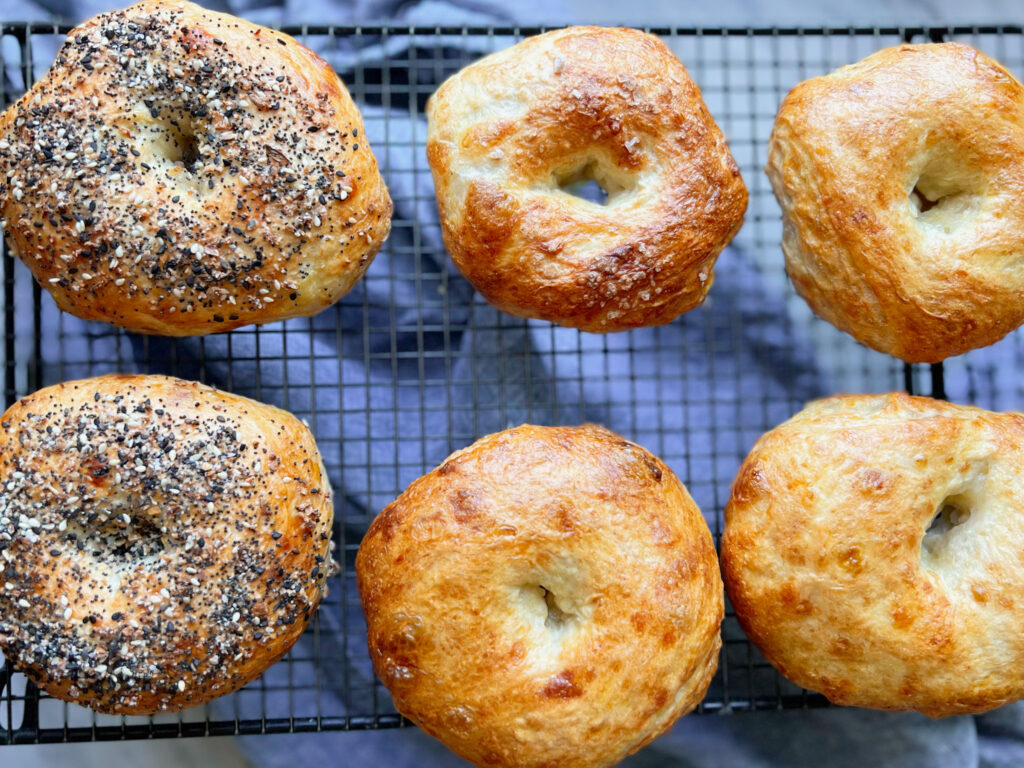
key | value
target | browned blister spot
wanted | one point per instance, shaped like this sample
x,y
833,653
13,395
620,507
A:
x,y
566,519
789,596
843,647
639,621
750,483
562,686
852,560
465,505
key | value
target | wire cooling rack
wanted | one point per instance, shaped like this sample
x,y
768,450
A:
x,y
412,365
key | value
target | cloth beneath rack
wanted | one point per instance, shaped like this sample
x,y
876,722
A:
x,y
338,351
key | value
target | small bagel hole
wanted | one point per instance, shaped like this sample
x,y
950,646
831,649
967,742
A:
x,y
556,616
120,544
590,181
945,196
181,145
952,513
587,189
921,203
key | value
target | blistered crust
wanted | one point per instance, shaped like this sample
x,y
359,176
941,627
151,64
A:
x,y
161,543
547,596
926,274
503,131
181,172
838,575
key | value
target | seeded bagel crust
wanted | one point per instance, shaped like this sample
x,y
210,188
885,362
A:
x,y
161,543
181,172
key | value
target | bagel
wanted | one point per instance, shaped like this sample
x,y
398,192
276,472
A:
x,y
872,553
181,172
161,543
547,596
509,134
901,182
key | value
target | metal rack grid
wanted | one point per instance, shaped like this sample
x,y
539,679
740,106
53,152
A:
x,y
412,365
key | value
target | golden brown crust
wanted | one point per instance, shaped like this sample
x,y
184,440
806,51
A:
x,y
547,596
503,131
926,274
180,172
828,565
161,543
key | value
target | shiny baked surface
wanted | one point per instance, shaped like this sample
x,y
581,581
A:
x,y
510,132
547,596
872,552
180,172
161,542
900,179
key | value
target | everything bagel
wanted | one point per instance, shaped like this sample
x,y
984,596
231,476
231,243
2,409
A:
x,y
182,172
507,134
161,543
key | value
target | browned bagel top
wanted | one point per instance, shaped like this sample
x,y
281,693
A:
x,y
509,131
547,596
872,552
901,181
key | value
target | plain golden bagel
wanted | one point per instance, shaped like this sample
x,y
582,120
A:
x,y
547,596
181,172
872,552
509,134
901,182
161,543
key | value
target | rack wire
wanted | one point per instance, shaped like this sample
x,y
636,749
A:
x,y
412,365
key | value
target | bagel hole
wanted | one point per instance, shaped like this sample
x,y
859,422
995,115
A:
x,y
944,195
952,514
591,181
179,143
112,540
921,203
556,617
545,610
587,190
